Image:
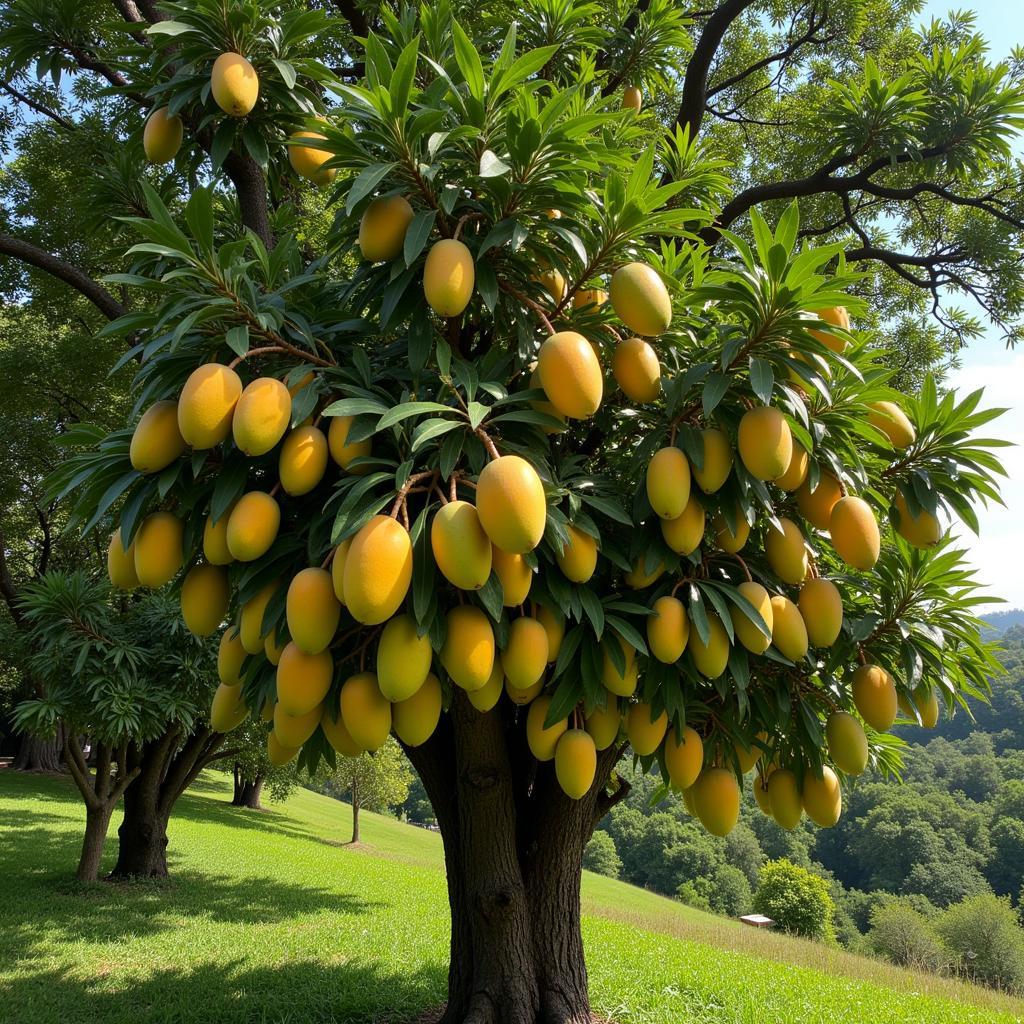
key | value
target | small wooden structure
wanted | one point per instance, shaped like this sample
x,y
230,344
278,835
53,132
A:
x,y
757,921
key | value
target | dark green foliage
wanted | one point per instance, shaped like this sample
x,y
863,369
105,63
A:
x,y
601,855
984,935
795,900
901,933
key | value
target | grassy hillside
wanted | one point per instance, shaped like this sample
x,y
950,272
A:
x,y
271,918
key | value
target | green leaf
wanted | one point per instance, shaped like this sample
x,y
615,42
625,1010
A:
x,y
286,71
369,178
715,388
356,407
170,28
237,339
407,409
403,78
492,166
430,429
417,234
762,378
468,60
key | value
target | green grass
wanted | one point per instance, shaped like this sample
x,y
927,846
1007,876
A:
x,y
271,918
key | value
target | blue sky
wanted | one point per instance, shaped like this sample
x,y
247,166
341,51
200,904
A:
x,y
988,364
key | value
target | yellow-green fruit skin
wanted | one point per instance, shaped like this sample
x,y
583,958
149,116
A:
x,y
570,374
215,538
250,619
765,443
158,549
622,684
303,679
921,531
746,632
253,526
639,577
230,656
716,799
338,568
837,316
547,408
823,798
640,299
668,630
228,710
575,763
854,532
554,625
461,546
927,701
724,536
523,698
632,98
415,718
668,483
603,724
273,647
645,736
261,415
157,441
205,595
365,711
717,463
712,657
303,460
892,421
308,161
761,794
526,655
312,610
578,559
338,735
683,758
488,695
784,798
121,563
748,758
786,551
234,84
403,659
294,730
847,743
821,606
637,371
207,404
448,277
277,753
468,652
789,633
592,297
341,450
874,693
816,505
514,574
382,228
511,504
161,138
684,533
796,471
378,570
542,741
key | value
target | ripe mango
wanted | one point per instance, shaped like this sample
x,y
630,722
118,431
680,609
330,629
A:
x,y
789,633
668,483
522,698
526,654
748,758
250,619
796,471
684,533
603,724
228,710
158,549
303,460
855,533
668,630
338,568
874,693
156,441
489,694
553,622
593,298
468,651
786,551
234,84
273,647
448,277
637,371
717,463
383,227
575,763
415,718
716,799
838,317
578,559
511,504
761,794
514,574
726,539
551,280
337,735
570,374
547,408
121,563
312,610
308,161
622,684
927,703
261,415
277,753
205,595
645,731
823,797
542,741
821,607
892,421
253,526
378,570
816,505
710,658
365,711
303,679
632,98
230,657
921,531
640,299
403,659
784,798
341,450
161,138
461,547
639,577
293,731
215,538
746,632
207,404
847,743
683,758
765,442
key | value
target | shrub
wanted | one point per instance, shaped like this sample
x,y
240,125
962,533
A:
x,y
795,900
983,935
731,892
902,934
694,893
601,855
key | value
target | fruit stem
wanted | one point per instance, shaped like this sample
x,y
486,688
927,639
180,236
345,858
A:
x,y
462,220
254,352
330,558
275,489
488,443
527,301
453,487
415,478
440,494
743,565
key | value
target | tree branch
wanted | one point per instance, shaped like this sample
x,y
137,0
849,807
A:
x,y
352,13
39,108
7,588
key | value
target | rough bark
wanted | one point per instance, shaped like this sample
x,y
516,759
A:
x,y
97,823
251,186
246,791
40,753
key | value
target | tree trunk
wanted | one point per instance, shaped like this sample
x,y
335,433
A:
x,y
355,814
513,847
40,754
247,792
142,849
97,822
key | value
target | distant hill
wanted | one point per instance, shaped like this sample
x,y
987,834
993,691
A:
x,y
1000,622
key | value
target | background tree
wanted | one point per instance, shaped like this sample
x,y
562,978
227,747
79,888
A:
x,y
794,899
252,769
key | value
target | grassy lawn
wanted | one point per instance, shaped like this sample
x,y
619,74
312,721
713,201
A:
x,y
271,918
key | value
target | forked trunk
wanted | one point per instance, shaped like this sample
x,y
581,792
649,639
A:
x,y
142,846
247,791
97,822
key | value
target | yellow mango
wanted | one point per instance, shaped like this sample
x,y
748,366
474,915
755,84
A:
x,y
253,526
302,679
668,483
365,711
514,574
717,463
342,451
312,610
847,743
710,658
823,797
683,758
765,443
542,741
668,630
716,799
234,84
786,551
415,718
570,374
378,570
645,732
578,559
526,654
640,299
784,798
161,138
448,277
250,620
603,724
205,595
403,659
228,710
821,607
156,441
158,549
383,227
746,632
874,693
461,547
308,161
816,505
575,763
303,460
121,563
511,504
789,633
207,404
854,532
684,533
468,651
637,371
